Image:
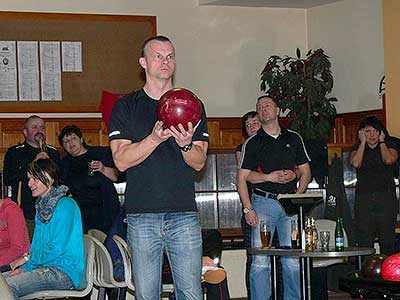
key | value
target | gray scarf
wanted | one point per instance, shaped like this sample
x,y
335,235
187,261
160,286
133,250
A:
x,y
46,205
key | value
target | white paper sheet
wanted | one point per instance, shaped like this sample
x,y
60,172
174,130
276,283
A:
x,y
50,70
28,70
71,56
8,71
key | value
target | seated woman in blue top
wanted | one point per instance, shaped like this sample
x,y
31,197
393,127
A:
x,y
56,258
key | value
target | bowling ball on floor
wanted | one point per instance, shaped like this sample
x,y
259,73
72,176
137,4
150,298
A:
x,y
372,266
179,106
391,268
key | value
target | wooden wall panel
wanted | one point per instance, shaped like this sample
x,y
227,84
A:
x,y
225,133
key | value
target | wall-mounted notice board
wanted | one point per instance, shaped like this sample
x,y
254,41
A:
x,y
110,51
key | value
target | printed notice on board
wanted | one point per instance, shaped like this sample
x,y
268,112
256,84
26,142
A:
x,y
71,56
8,71
50,70
28,70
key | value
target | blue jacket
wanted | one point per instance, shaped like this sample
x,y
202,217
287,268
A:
x,y
59,243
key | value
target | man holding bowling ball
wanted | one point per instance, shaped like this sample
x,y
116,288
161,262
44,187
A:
x,y
268,161
159,163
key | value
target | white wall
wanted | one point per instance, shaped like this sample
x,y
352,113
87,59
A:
x,y
351,33
220,50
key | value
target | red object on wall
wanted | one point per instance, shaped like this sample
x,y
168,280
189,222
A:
x,y
391,268
107,103
179,106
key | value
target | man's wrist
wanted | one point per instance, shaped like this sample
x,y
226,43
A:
x,y
247,210
187,147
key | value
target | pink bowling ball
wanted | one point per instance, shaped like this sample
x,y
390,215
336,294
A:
x,y
391,268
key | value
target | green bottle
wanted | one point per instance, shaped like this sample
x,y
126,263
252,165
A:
x,y
339,235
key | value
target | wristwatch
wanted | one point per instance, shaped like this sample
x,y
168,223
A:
x,y
186,148
246,210
381,142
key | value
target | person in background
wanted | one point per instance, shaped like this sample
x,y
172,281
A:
x,y
17,159
14,237
89,173
159,198
376,206
250,125
56,257
269,160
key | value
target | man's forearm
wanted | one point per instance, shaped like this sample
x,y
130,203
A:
x,y
197,156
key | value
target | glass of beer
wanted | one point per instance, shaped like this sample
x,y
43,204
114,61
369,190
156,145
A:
x,y
265,233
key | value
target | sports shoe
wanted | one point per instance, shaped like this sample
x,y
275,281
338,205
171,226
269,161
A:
x,y
213,275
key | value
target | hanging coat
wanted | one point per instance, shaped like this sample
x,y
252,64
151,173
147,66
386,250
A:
x,y
336,204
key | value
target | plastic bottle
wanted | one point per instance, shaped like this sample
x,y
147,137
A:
x,y
339,235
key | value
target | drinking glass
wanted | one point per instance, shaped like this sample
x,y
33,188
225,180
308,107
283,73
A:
x,y
324,237
295,234
90,168
265,233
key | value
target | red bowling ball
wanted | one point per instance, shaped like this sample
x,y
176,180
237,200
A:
x,y
391,268
179,106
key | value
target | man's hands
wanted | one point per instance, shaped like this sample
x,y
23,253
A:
x,y
251,218
281,176
41,155
159,134
182,137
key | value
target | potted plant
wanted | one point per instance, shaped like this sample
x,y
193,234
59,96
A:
x,y
301,86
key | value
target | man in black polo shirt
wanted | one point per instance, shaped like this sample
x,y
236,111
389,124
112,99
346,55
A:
x,y
16,163
270,160
159,163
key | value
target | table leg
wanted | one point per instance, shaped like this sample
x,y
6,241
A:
x,y
308,278
302,279
274,293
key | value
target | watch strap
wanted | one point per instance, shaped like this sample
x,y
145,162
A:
x,y
186,148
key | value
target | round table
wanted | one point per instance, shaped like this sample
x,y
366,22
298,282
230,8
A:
x,y
306,263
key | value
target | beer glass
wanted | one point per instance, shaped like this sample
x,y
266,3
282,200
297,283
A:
x,y
295,234
324,237
265,233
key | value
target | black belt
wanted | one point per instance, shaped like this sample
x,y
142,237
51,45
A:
x,y
265,194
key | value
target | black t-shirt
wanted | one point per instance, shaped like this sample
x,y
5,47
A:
x,y
15,168
85,189
266,153
163,182
95,195
374,175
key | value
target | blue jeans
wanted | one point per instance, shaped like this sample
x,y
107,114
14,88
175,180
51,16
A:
x,y
179,233
40,279
260,271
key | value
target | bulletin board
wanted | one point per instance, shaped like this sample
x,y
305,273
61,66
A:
x,y
110,50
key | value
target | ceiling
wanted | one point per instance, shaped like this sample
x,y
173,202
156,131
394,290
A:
x,y
268,3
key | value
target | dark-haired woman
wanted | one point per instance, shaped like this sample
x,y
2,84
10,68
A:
x,y
250,125
56,257
89,173
376,206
